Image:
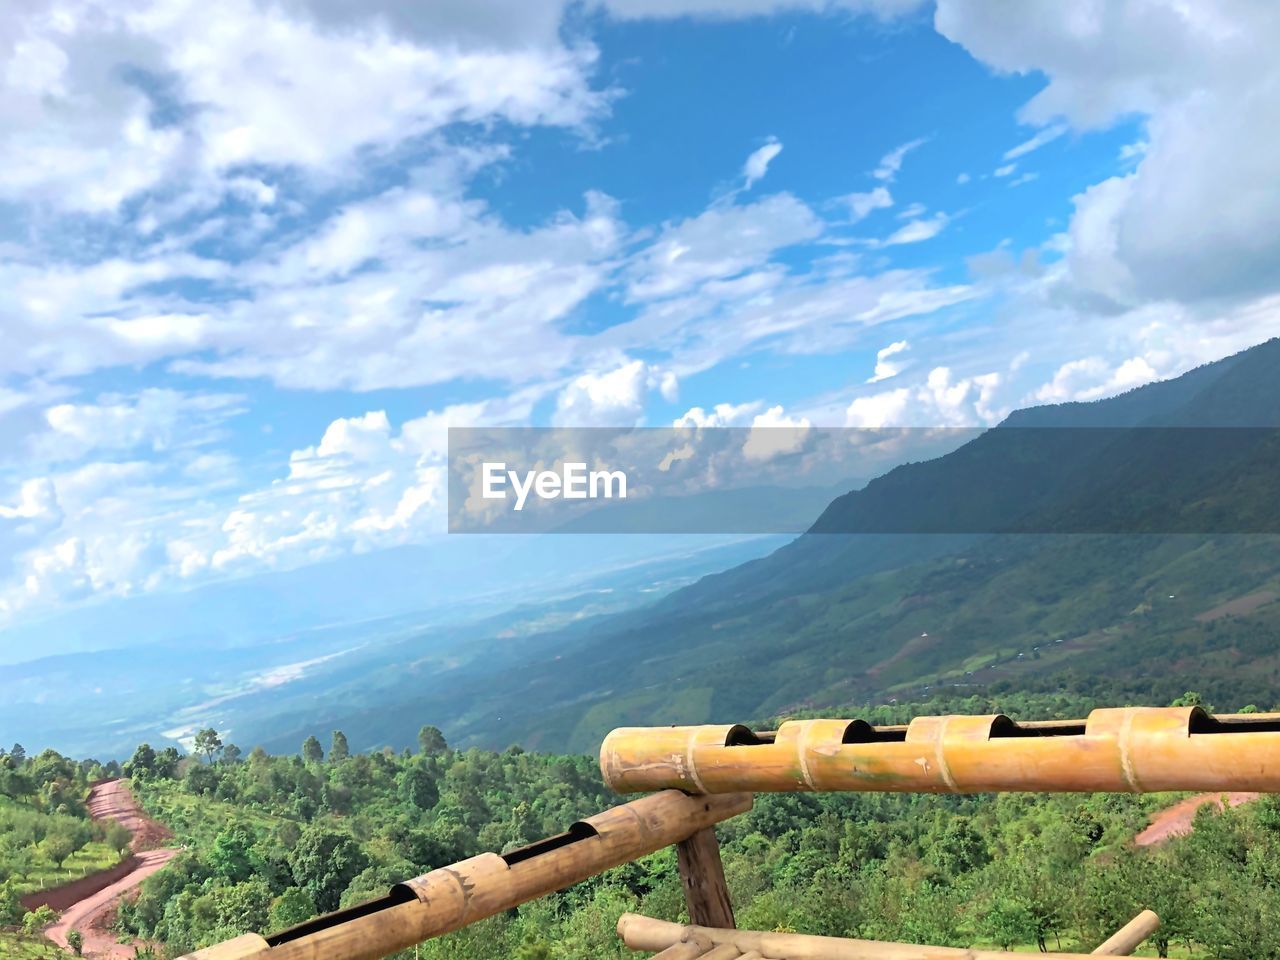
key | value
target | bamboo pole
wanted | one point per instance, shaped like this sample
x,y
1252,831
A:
x,y
1127,749
452,897
1125,940
706,894
690,949
645,933
248,945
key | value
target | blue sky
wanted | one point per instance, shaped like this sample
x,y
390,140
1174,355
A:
x,y
257,264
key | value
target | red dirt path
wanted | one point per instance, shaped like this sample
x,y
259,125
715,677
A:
x,y
92,915
1176,820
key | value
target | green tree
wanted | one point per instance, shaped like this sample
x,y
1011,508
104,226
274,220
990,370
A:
x,y
231,754
292,907
338,749
56,847
76,942
418,786
431,741
33,921
312,752
117,836
142,765
208,742
324,862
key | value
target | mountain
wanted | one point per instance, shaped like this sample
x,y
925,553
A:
x,y
1125,542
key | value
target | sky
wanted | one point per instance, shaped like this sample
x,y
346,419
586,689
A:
x,y
258,257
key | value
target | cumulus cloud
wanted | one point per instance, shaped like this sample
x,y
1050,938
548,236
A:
x,y
942,400
775,434
113,99
886,368
613,398
1198,218
721,415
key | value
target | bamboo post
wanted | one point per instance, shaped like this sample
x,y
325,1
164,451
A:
x,y
452,897
645,933
706,895
1125,940
1129,749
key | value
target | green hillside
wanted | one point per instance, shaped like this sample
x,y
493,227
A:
x,y
272,840
869,617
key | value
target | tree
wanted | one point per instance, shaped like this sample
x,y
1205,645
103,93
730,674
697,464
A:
x,y
324,862
76,942
339,750
418,787
117,836
292,907
230,857
56,847
142,764
17,755
231,754
208,742
431,741
312,752
33,921
166,765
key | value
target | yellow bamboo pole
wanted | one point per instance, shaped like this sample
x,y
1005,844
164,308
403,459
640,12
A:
x,y
452,897
645,933
1125,940
1127,749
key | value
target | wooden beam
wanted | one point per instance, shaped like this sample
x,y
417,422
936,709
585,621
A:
x,y
645,933
702,874
1125,940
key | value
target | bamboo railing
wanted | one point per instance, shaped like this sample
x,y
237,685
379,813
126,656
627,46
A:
x,y
674,941
1129,749
452,897
702,775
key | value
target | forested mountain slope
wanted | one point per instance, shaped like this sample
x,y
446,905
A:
x,y
868,617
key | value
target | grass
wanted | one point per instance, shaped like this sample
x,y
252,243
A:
x,y
196,821
91,859
19,946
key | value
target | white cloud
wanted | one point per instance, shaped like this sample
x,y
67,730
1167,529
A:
x,y
775,434
36,499
758,163
862,205
1047,135
885,368
887,409
614,398
155,418
942,400
1091,378
722,415
1004,171
718,244
891,162
725,9
1199,218
917,231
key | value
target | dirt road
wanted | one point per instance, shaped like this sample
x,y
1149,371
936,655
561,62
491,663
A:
x,y
1176,820
92,915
